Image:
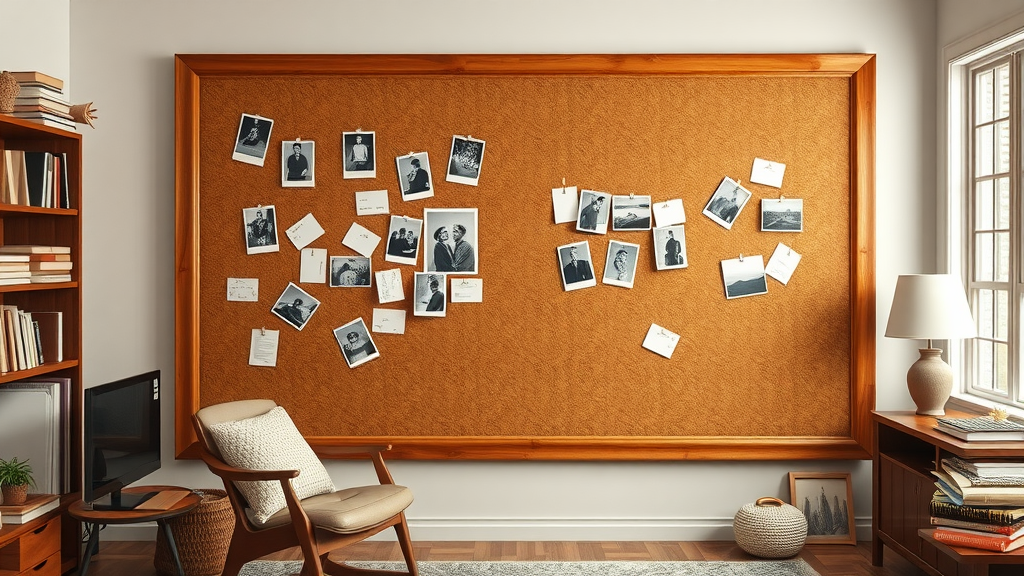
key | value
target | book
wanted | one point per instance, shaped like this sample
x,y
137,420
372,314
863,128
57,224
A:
x,y
52,122
43,108
65,193
34,249
34,76
51,334
13,281
960,490
36,91
960,538
38,257
5,274
48,103
35,506
48,278
1012,476
982,435
1013,531
35,170
19,258
43,265
14,266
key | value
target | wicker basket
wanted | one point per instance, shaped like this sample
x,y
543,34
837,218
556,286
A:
x,y
770,528
201,536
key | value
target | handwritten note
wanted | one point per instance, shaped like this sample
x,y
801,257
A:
x,y
304,231
782,264
372,202
669,212
389,286
661,341
566,203
263,347
767,172
388,321
243,289
361,240
313,265
467,290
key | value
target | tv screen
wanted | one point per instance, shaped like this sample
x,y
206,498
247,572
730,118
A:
x,y
121,439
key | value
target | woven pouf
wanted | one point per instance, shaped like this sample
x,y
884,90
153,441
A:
x,y
202,537
770,528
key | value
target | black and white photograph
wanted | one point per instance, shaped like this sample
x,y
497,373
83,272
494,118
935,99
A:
x,y
356,343
360,154
295,306
670,247
260,224
594,210
744,276
452,240
826,499
575,266
782,215
414,176
429,294
403,240
465,160
727,202
350,272
297,159
252,139
620,263
631,213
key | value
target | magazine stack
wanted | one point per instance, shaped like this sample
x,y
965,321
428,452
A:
x,y
979,504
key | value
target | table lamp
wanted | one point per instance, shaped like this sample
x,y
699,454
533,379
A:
x,y
930,306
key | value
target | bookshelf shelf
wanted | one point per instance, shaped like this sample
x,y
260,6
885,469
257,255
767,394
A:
x,y
48,368
39,287
19,209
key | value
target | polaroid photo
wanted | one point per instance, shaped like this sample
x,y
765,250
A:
x,y
782,215
631,213
414,176
356,343
403,240
744,276
670,247
727,202
360,154
295,306
252,139
574,262
452,242
350,272
297,159
620,264
260,225
429,294
465,160
594,210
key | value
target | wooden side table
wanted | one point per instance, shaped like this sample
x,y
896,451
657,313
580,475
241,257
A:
x,y
97,518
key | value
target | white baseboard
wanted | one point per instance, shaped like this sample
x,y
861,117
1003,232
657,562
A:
x,y
532,530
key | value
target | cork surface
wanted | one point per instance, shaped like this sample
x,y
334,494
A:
x,y
532,359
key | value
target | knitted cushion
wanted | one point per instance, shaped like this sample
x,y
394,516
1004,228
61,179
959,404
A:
x,y
270,442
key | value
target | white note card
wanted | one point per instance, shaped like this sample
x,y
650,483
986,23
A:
x,y
661,341
566,203
243,289
388,321
304,231
467,289
389,286
669,213
767,172
372,202
263,347
313,265
361,240
782,264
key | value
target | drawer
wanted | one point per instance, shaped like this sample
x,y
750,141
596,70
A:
x,y
48,567
31,548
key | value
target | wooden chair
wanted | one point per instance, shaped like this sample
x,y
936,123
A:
x,y
319,524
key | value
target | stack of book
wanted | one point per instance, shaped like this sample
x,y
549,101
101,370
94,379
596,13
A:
x,y
34,179
984,428
29,339
979,504
41,100
35,506
14,269
46,264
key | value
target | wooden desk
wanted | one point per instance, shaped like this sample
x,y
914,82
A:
x,y
97,518
907,448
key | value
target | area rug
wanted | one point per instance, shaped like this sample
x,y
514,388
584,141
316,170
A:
x,y
694,568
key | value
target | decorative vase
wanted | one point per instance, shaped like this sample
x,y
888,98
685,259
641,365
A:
x,y
770,528
9,89
14,495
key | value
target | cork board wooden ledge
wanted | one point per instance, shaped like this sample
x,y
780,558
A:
x,y
534,372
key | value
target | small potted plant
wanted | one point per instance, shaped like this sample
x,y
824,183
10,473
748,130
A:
x,y
15,478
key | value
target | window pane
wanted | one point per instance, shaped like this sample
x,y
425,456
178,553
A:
x,y
1002,314
1002,256
983,206
1000,370
1002,146
983,362
983,97
983,151
1002,91
983,257
983,314
1003,203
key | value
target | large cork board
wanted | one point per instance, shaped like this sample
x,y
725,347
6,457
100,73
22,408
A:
x,y
534,372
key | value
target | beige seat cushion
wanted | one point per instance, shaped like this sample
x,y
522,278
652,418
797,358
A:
x,y
348,510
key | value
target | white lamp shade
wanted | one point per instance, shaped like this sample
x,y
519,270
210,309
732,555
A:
x,y
930,306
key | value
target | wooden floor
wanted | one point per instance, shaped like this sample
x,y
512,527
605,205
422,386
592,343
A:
x,y
136,558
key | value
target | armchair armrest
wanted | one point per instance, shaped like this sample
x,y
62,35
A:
x,y
241,474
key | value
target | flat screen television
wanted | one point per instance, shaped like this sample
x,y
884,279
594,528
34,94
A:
x,y
121,439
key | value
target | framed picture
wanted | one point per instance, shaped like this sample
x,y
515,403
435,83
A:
x,y
631,213
727,202
465,160
453,236
297,157
782,215
252,139
594,209
414,176
360,154
620,263
826,499
356,343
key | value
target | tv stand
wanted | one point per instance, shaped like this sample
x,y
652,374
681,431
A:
x,y
117,500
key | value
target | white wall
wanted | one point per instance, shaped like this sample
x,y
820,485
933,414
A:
x,y
122,58
35,35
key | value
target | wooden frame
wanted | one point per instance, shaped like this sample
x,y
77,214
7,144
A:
x,y
822,525
857,69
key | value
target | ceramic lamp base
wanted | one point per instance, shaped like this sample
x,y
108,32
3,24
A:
x,y
930,381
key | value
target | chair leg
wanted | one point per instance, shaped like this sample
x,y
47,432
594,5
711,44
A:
x,y
405,541
237,557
